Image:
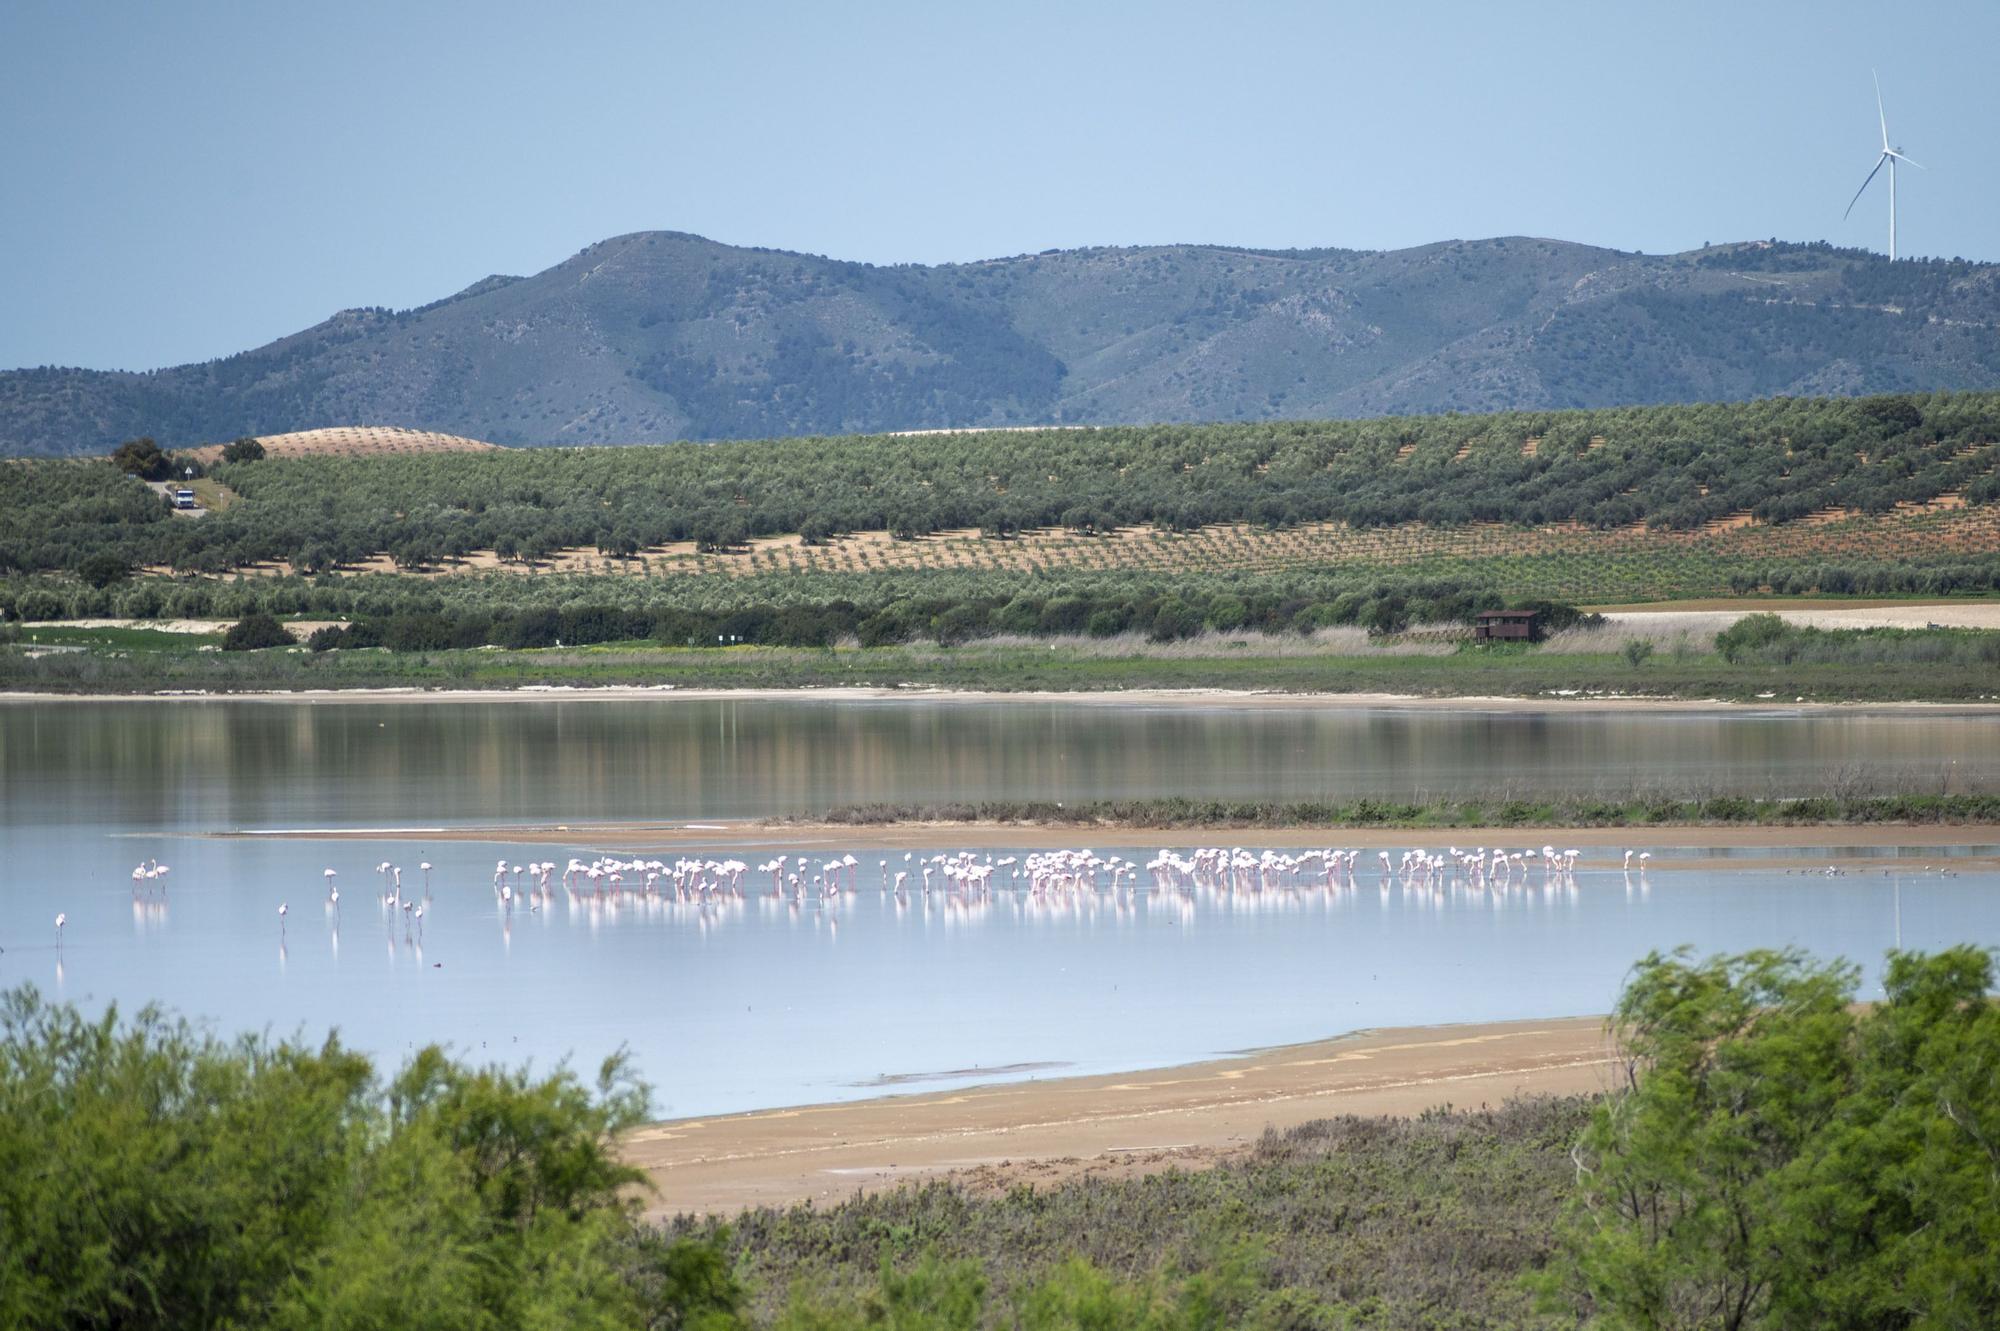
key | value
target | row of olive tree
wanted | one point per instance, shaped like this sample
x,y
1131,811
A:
x,y
1422,597
1160,616
1678,466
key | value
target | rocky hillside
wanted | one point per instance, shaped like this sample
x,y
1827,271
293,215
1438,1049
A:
x,y
661,335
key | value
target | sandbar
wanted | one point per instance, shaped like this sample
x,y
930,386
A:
x,y
994,1137
1603,847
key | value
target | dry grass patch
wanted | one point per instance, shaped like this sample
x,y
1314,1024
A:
x,y
1679,634
1210,645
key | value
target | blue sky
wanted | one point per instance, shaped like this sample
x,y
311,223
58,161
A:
x,y
181,181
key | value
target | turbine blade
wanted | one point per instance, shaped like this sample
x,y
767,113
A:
x,y
1899,157
1864,186
1880,114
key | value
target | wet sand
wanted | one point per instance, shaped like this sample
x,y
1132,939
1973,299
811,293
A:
x,y
994,1137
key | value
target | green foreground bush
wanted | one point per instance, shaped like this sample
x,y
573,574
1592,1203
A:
x,y
1777,1158
155,1176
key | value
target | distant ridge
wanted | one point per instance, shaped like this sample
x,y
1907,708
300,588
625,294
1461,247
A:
x,y
662,335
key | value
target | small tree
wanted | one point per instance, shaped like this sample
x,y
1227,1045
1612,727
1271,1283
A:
x,y
1771,1157
957,624
1728,1067
142,457
246,449
719,535
1637,650
101,570
1750,636
255,631
1175,619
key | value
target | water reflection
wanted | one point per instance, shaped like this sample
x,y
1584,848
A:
x,y
148,915
211,764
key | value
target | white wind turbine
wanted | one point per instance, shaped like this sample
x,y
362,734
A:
x,y
1890,156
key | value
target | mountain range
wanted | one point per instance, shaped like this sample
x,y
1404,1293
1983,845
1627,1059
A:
x,y
662,335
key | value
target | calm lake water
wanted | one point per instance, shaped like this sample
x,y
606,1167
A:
x,y
742,1003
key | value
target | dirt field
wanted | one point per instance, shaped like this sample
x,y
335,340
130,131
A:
x,y
355,439
299,628
993,1137
1888,614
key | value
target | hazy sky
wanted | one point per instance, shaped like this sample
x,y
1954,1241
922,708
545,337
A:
x,y
182,181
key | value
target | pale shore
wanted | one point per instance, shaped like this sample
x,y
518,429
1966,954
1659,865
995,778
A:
x,y
992,1137
1713,613
1984,614
1153,698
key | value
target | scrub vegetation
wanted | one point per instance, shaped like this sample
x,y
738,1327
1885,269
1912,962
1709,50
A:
x,y
1772,1156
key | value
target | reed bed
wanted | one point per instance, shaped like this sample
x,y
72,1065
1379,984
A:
x,y
1680,635
1208,645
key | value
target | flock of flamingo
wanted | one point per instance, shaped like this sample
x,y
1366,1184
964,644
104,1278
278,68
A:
x,y
1043,874
957,876
955,879
961,876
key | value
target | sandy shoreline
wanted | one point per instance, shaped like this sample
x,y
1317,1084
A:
x,y
992,1137
1191,698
